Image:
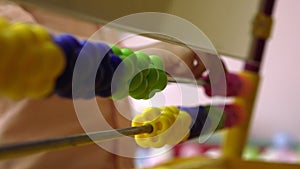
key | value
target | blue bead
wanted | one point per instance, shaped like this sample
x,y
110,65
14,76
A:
x,y
115,61
90,54
199,117
104,93
71,48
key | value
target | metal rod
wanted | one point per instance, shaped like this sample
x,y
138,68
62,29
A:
x,y
199,82
27,148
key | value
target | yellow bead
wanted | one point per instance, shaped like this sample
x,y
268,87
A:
x,y
152,113
12,95
24,33
41,33
40,89
172,109
53,59
16,92
8,44
8,58
3,23
170,126
181,127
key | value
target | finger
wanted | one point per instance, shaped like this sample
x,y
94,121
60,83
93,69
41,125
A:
x,y
198,70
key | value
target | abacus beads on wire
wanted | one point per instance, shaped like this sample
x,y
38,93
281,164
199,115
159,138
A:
x,y
144,75
129,80
35,64
170,126
30,62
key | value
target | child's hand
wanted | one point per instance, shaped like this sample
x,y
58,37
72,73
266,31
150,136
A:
x,y
179,61
14,13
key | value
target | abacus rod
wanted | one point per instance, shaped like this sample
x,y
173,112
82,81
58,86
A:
x,y
27,148
186,81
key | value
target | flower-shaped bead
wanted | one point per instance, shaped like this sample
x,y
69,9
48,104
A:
x,y
170,126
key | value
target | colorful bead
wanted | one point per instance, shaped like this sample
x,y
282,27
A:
x,y
140,92
170,126
136,81
71,48
127,52
157,62
116,50
143,60
153,77
3,23
130,70
163,81
35,60
41,34
204,118
234,85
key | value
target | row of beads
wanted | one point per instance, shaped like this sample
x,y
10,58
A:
x,y
30,62
119,72
205,116
170,126
90,77
71,68
144,75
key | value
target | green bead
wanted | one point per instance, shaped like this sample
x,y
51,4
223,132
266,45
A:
x,y
123,57
153,77
163,81
129,69
141,91
121,91
143,60
146,72
116,50
215,114
157,62
126,51
151,92
133,58
136,81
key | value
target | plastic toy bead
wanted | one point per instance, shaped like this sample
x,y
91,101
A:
x,y
199,116
71,48
7,42
24,32
116,50
235,115
41,33
3,24
170,126
54,62
153,77
157,62
136,82
214,114
163,81
143,60
141,72
233,82
141,91
204,116
130,64
35,59
127,52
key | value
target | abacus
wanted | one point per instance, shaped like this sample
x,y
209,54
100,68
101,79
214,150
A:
x,y
148,126
54,57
